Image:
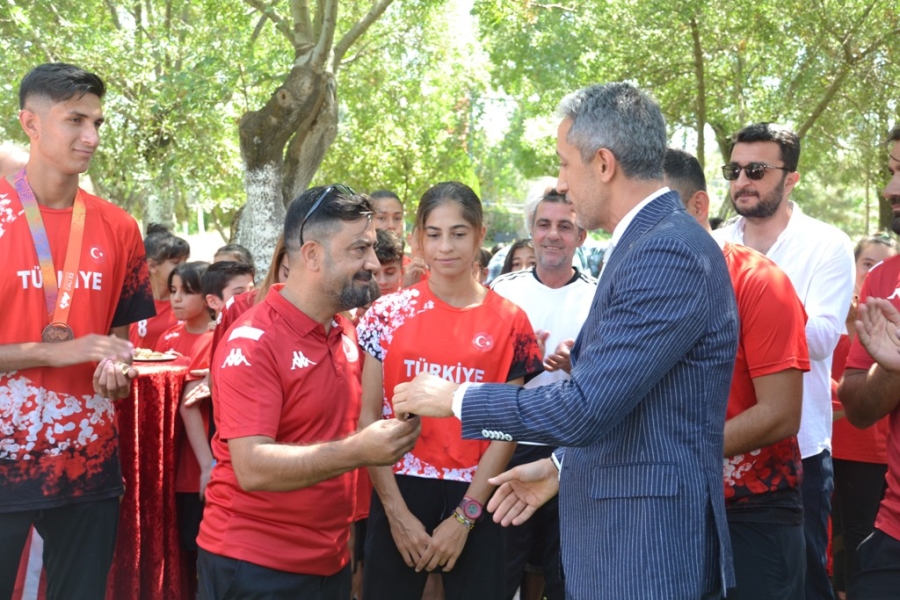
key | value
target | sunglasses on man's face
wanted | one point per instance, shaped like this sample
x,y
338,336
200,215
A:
x,y
754,170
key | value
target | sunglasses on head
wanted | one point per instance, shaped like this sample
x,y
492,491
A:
x,y
754,170
337,187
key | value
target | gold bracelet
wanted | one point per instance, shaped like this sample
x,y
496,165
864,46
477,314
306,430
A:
x,y
464,521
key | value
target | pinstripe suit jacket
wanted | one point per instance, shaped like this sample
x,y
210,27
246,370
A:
x,y
642,419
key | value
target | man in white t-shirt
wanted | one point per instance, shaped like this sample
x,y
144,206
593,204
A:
x,y
557,298
818,259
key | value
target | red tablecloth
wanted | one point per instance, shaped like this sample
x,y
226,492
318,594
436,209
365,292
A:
x,y
147,563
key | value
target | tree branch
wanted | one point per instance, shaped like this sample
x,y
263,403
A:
x,y
359,28
115,16
699,71
269,11
302,25
328,18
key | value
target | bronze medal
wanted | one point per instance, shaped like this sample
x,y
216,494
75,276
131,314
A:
x,y
57,332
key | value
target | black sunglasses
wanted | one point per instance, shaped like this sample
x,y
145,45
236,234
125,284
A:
x,y
754,170
337,187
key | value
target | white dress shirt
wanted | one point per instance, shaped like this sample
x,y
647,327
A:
x,y
818,259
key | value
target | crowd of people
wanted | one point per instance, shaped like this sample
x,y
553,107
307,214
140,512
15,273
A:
x,y
703,414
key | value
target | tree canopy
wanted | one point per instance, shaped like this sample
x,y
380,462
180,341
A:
x,y
400,94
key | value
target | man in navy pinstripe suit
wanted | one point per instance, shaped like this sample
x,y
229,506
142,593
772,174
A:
x,y
642,419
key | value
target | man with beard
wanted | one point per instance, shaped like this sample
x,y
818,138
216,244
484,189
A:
x,y
818,259
869,391
287,377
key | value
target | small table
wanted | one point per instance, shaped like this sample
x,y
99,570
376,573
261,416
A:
x,y
148,558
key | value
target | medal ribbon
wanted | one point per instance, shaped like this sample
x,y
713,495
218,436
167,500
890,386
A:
x,y
58,305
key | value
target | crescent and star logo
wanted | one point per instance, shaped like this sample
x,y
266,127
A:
x,y
483,341
350,349
96,253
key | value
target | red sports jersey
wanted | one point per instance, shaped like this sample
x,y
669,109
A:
x,y
57,436
848,442
278,374
772,339
883,281
145,333
194,346
412,331
178,339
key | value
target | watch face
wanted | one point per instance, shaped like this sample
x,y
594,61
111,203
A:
x,y
472,510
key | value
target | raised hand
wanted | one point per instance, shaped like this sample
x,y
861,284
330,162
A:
x,y
385,442
877,326
113,379
560,360
522,491
425,396
90,348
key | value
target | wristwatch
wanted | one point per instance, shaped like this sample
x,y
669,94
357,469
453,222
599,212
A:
x,y
471,508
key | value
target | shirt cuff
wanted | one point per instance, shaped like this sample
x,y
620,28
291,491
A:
x,y
557,463
456,407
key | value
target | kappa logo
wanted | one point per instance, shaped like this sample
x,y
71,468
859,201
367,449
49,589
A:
x,y
300,361
65,301
235,357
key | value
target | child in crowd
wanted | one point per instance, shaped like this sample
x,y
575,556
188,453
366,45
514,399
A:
x,y
389,250
480,267
218,284
188,307
164,252
520,256
233,253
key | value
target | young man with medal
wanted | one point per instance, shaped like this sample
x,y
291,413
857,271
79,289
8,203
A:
x,y
73,276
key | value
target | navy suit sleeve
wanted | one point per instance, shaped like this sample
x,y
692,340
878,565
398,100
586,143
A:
x,y
649,322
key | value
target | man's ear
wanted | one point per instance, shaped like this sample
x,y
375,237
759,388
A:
x,y
698,205
30,122
311,254
790,181
605,165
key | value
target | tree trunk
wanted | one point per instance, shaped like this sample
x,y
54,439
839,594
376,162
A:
x,y
293,115
160,208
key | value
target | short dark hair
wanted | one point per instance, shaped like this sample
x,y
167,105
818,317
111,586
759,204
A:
x,y
241,254
683,173
191,274
550,197
894,135
59,82
161,245
388,246
220,274
335,206
787,140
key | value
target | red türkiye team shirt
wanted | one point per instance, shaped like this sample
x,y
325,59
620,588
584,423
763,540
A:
x,y
412,331
58,437
277,374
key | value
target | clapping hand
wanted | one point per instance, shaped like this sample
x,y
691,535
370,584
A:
x,y
877,326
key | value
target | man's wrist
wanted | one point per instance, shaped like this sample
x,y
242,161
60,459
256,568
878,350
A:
x,y
458,396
